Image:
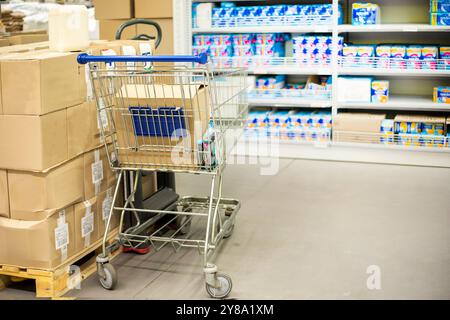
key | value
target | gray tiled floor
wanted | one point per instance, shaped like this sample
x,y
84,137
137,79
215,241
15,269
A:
x,y
310,232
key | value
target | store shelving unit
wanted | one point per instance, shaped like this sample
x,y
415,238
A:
x,y
425,156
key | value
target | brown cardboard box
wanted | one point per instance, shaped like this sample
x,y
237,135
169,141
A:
x,y
40,82
4,196
114,9
30,192
25,47
27,38
167,44
4,42
104,203
97,172
33,143
38,244
159,149
357,127
108,29
82,129
153,9
86,224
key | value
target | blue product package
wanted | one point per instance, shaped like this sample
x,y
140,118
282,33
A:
x,y
365,14
440,19
439,6
161,122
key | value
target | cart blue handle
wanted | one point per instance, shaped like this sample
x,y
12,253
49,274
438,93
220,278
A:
x,y
85,58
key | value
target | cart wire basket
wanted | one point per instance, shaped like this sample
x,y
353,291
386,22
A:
x,y
169,114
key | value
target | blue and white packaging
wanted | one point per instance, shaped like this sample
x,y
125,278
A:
x,y
365,14
440,19
439,6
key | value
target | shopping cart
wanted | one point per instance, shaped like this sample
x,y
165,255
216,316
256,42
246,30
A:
x,y
169,118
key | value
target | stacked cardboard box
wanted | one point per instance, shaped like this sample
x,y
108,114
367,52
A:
x,y
113,13
56,185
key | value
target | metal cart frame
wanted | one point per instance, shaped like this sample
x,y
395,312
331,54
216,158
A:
x,y
150,116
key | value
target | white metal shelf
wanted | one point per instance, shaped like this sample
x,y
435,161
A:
x,y
275,65
266,29
355,152
393,28
393,73
290,98
288,102
401,103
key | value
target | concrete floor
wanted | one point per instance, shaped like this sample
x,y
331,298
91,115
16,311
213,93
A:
x,y
310,232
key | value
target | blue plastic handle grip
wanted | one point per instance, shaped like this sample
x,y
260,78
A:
x,y
85,58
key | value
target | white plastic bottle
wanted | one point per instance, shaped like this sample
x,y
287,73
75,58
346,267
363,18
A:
x,y
68,28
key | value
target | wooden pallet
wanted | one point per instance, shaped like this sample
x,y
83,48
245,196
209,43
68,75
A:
x,y
57,282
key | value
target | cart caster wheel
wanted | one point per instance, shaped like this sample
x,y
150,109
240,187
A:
x,y
229,232
181,220
225,287
109,280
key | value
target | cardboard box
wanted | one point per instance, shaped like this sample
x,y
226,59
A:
x,y
108,29
149,184
357,127
30,193
4,196
98,176
25,47
114,9
86,224
34,143
40,82
4,42
153,9
82,129
161,148
27,38
104,203
43,244
167,44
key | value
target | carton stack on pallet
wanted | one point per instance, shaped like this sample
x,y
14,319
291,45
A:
x,y
56,185
112,13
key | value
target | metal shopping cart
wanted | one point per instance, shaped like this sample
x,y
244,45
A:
x,y
172,118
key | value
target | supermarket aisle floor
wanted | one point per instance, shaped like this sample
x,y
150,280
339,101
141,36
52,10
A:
x,y
311,232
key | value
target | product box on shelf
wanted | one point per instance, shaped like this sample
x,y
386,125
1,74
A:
x,y
153,9
39,82
42,244
4,195
114,9
357,127
365,14
33,143
440,18
380,91
86,224
32,192
355,89
441,95
439,6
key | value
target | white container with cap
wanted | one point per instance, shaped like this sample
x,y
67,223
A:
x,y
68,28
